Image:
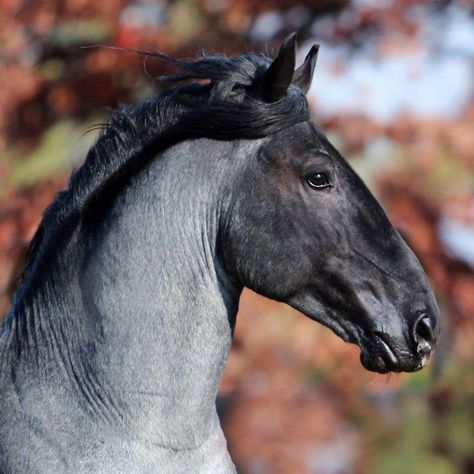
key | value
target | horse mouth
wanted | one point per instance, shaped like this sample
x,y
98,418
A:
x,y
382,357
376,356
390,357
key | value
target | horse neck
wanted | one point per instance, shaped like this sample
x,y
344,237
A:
x,y
165,304
160,305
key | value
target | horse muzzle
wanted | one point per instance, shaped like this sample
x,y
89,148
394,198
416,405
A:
x,y
383,352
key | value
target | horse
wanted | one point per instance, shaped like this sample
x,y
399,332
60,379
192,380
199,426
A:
x,y
112,352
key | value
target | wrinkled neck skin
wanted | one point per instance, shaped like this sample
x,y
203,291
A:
x,y
166,306
163,312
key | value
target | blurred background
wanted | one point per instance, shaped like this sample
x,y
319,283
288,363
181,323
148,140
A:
x,y
394,91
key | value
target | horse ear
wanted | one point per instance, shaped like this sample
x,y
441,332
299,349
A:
x,y
304,74
278,76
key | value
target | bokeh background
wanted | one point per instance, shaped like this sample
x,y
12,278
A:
x,y
394,91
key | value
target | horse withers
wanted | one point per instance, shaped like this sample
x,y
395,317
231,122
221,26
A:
x,y
113,351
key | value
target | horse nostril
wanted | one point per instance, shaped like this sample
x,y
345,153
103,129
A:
x,y
423,335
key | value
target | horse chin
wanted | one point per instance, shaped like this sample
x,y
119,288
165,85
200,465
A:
x,y
375,363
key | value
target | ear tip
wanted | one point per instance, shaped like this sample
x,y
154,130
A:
x,y
304,74
290,39
314,49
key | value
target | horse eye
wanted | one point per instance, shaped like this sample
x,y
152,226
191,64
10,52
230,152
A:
x,y
319,180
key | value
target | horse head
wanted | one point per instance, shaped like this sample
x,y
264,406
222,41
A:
x,y
305,230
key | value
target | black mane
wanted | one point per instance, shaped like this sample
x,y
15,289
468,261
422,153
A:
x,y
215,97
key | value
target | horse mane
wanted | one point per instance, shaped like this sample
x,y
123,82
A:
x,y
213,96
